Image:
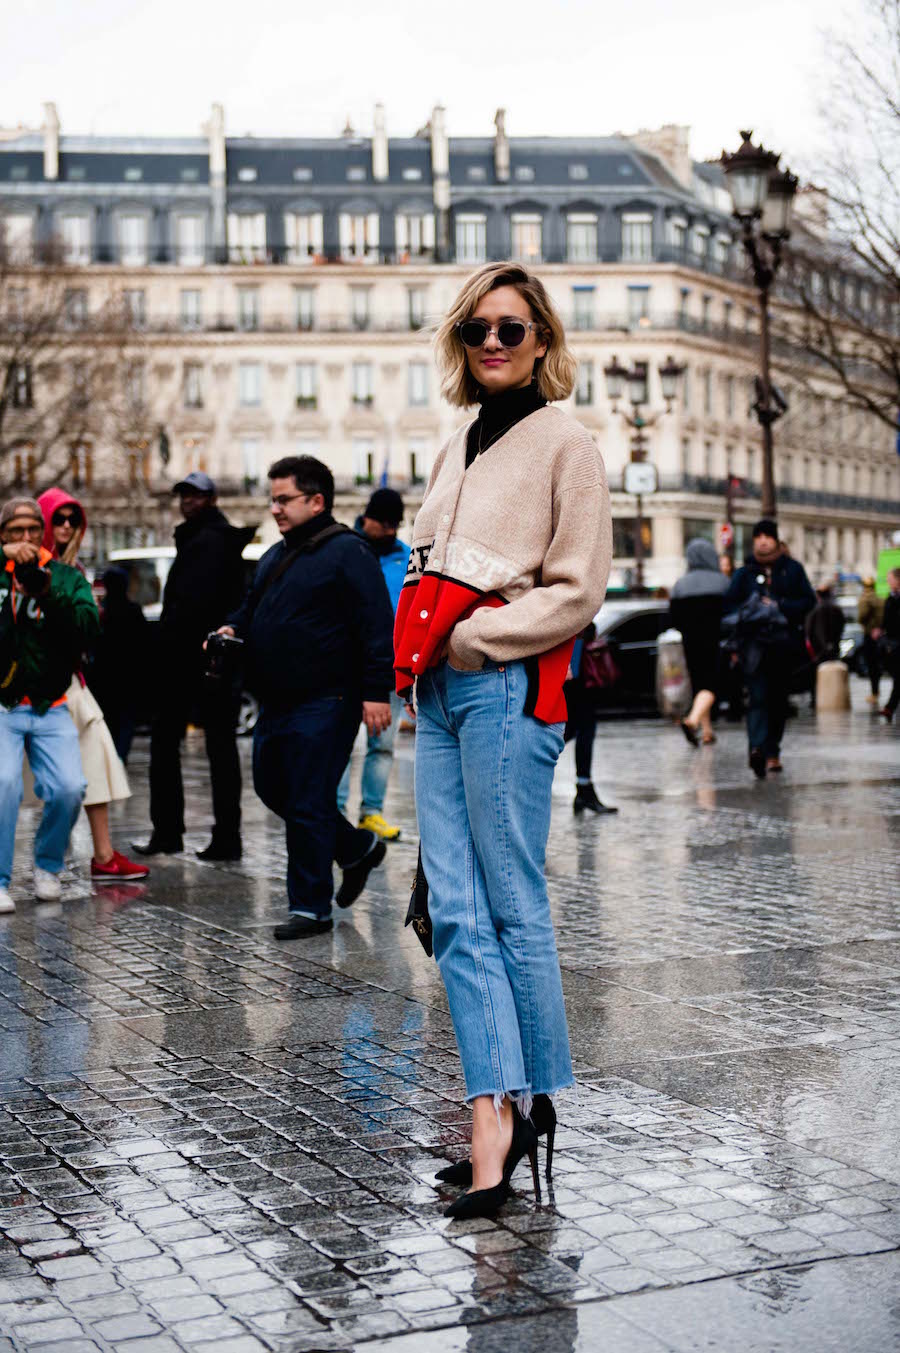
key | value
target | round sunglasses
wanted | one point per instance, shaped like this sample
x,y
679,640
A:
x,y
509,333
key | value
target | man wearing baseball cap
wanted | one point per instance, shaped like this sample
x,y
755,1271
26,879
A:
x,y
47,617
205,583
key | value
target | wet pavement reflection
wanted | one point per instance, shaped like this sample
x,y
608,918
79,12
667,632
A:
x,y
208,1140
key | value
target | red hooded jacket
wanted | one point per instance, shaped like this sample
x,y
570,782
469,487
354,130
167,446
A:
x,y
49,503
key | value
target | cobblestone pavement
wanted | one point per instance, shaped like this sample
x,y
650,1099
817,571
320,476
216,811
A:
x,y
211,1141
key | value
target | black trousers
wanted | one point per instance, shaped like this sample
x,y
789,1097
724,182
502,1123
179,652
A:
x,y
299,756
582,726
218,709
872,654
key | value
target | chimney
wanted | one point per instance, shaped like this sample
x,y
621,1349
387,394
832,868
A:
x,y
379,146
51,141
440,177
214,131
811,206
501,147
672,145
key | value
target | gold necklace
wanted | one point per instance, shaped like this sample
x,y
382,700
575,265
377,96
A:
x,y
496,437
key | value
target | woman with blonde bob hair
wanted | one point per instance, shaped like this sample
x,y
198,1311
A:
x,y
510,556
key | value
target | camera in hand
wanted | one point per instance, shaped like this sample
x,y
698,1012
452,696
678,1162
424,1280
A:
x,y
32,579
222,654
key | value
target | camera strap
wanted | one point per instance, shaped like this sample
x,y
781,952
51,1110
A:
x,y
335,529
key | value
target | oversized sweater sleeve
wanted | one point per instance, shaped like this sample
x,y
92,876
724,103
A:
x,y
573,576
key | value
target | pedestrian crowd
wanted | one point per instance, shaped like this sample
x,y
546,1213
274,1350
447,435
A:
x,y
480,630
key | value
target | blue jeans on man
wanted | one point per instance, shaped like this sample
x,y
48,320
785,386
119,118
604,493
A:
x,y
298,757
376,766
50,741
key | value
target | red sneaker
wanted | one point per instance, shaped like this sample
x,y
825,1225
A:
x,y
117,870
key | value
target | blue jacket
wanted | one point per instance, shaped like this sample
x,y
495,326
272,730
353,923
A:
x,y
323,627
394,566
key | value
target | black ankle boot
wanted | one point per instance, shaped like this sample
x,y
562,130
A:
x,y
487,1202
586,799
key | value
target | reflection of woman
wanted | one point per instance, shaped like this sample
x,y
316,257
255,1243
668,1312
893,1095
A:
x,y
65,525
696,610
510,556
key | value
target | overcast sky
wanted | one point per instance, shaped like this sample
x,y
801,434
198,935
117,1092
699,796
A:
x,y
583,67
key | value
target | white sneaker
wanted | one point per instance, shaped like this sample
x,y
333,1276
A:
x,y
6,902
47,887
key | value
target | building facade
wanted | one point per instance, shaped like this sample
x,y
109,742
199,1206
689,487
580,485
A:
x,y
281,295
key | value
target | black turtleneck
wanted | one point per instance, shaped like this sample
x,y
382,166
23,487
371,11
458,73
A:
x,y
498,414
298,535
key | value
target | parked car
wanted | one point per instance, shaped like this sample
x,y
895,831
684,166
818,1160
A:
x,y
631,628
148,569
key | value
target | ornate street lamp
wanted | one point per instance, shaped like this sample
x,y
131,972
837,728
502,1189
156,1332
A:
x,y
762,198
643,480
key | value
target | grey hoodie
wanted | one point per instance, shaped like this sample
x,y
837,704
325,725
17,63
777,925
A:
x,y
704,578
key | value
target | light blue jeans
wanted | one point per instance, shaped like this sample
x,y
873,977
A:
x,y
50,742
484,773
376,767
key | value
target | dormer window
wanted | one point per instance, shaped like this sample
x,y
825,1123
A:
x,y
302,174
133,174
477,173
76,171
356,173
19,171
190,175
578,171
247,174
524,173
412,175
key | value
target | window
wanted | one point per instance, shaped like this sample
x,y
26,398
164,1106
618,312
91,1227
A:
x,y
476,173
584,383
18,238
706,379
638,306
412,175
22,394
686,388
708,459
706,311
76,239
302,174
247,174
418,384
416,302
250,458
246,237
135,383
304,236
248,308
526,238
471,239
190,309
728,312
722,250
305,307
414,233
685,456
190,175
637,238
359,307
356,173
363,460
75,307
359,236
17,305
683,297
677,232
578,171
250,384
700,241
305,376
136,307
729,396
581,238
193,385
193,458
524,173
134,173
189,240
361,383
640,628
417,452
583,313
81,462
80,392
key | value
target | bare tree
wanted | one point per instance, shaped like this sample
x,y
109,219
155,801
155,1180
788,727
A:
x,y
843,274
64,387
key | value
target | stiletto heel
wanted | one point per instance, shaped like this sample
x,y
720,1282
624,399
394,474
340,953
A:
x,y
535,1172
551,1134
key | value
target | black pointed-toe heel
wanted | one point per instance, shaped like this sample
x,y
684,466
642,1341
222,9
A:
x,y
487,1202
543,1116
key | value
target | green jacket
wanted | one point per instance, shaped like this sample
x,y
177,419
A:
x,y
41,643
870,610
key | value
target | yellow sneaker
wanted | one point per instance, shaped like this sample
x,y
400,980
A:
x,y
374,822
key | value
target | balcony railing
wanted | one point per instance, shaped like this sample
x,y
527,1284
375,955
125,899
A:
x,y
787,493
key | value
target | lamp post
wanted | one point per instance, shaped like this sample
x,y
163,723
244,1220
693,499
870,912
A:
x,y
762,197
640,482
